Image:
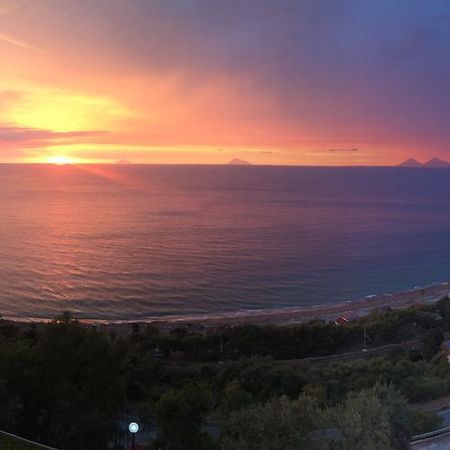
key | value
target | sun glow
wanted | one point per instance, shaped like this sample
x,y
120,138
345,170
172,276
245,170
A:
x,y
62,110
60,160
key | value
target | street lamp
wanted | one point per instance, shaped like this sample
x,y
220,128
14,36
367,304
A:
x,y
133,428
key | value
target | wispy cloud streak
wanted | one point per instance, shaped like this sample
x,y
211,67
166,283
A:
x,y
13,136
11,40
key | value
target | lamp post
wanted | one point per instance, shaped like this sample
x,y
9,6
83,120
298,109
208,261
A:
x,y
133,428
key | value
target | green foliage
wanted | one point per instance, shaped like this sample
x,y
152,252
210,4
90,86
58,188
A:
x,y
234,397
375,419
363,419
316,338
64,387
416,380
69,386
391,326
424,421
432,342
278,425
180,414
443,308
399,414
316,392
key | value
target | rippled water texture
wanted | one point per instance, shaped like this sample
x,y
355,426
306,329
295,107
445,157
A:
x,y
135,242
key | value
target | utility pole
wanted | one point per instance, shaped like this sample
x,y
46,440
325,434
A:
x,y
365,338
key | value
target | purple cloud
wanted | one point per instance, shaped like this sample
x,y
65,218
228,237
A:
x,y
14,136
349,72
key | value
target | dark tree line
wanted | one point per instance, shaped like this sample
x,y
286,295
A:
x,y
71,386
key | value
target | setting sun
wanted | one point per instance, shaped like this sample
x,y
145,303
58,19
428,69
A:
x,y
224,225
60,160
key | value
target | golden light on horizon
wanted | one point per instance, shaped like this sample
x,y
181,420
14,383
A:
x,y
60,160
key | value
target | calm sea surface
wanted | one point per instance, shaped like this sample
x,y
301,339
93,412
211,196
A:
x,y
136,242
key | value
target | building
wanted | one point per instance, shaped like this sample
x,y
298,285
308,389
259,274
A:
x,y
341,321
445,346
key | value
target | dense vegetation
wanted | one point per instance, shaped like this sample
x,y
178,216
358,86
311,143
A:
x,y
316,338
74,387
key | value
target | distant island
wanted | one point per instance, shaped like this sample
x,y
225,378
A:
x,y
239,162
124,162
433,163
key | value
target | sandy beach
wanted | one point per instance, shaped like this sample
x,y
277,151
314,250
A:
x,y
289,316
351,309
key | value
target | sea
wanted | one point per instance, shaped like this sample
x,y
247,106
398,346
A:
x,y
139,242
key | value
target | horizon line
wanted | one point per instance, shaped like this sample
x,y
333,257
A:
x,y
421,166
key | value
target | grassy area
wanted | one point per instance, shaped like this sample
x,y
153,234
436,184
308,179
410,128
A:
x,y
9,443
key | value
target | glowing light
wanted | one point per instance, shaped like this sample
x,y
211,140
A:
x,y
63,110
133,427
60,160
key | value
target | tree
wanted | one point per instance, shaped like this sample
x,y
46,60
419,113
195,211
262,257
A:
x,y
432,342
364,423
234,397
180,415
443,308
316,392
66,317
400,416
425,421
279,424
72,387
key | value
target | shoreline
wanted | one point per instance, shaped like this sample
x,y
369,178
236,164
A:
x,y
351,309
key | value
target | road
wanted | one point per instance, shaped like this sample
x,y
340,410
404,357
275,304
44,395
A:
x,y
445,414
439,443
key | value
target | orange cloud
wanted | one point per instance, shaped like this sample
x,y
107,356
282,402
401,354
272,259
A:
x,y
279,82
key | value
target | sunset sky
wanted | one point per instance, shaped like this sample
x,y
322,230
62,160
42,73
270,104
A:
x,y
323,82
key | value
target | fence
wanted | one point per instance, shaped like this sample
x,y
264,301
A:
x,y
31,444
